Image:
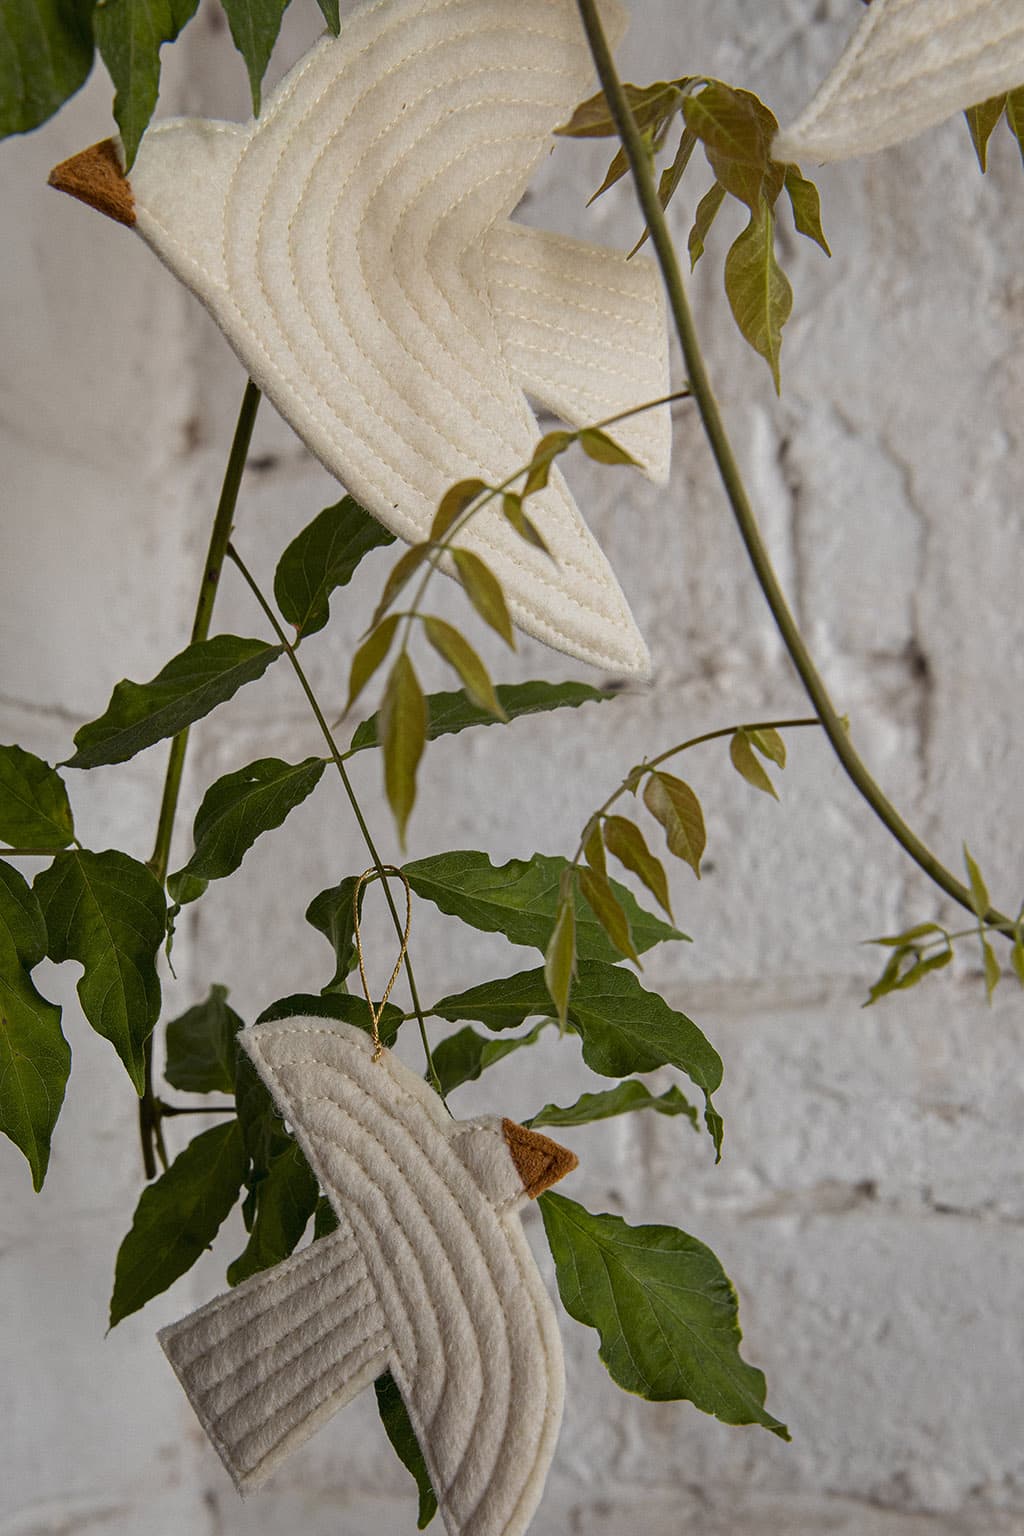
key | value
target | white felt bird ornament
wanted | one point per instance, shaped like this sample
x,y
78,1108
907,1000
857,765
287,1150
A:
x,y
355,247
909,65
428,1275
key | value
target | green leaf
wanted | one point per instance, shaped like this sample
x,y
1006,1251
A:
x,y
521,899
597,892
624,1029
745,761
403,721
703,219
325,1220
981,120
330,10
1018,957
675,805
34,808
107,911
201,1046
615,172
129,35
670,178
189,687
453,503
897,940
664,1308
979,890
285,1200
593,848
254,27
399,1430
449,713
336,1005
34,1056
560,960
1015,116
512,510
768,742
400,575
651,105
46,53
263,1134
484,591
621,1100
462,1057
239,807
806,206
178,1217
602,449
736,130
371,654
550,447
332,914
458,652
182,889
625,842
992,970
322,558
758,289
906,967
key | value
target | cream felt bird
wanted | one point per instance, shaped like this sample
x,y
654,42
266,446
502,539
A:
x,y
909,65
354,246
428,1274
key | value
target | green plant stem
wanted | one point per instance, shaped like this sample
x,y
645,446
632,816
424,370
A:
x,y
165,1111
150,1132
650,764
641,166
30,853
339,763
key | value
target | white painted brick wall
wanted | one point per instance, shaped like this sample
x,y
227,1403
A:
x,y
869,1205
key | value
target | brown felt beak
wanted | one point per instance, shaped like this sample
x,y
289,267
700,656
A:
x,y
540,1162
95,177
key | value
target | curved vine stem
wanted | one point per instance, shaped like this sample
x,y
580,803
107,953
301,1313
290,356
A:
x,y
641,166
339,763
150,1132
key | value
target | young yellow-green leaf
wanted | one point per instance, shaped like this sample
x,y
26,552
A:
x,y
370,655
129,35
651,105
551,445
769,743
625,842
458,652
622,1100
597,892
664,1309
982,120
906,967
330,10
593,849
403,718
401,573
560,960
449,713
736,130
285,1201
1015,116
1018,957
398,1426
521,899
34,1056
484,592
107,911
703,219
992,970
241,806
322,558
806,206
464,1056
745,761
178,1217
453,503
46,53
512,508
254,27
599,446
670,178
187,688
979,890
897,940
202,1046
617,169
757,288
675,805
34,807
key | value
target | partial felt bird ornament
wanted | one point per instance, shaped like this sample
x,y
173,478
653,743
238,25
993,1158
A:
x,y
428,1274
354,245
909,65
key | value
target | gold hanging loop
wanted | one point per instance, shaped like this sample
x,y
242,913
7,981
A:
x,y
375,1013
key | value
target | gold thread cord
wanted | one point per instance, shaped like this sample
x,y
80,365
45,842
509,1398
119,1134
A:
x,y
375,1013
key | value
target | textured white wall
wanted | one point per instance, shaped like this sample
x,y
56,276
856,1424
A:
x,y
869,1205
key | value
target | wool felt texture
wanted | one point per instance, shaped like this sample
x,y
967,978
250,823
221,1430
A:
x,y
428,1274
354,246
909,65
